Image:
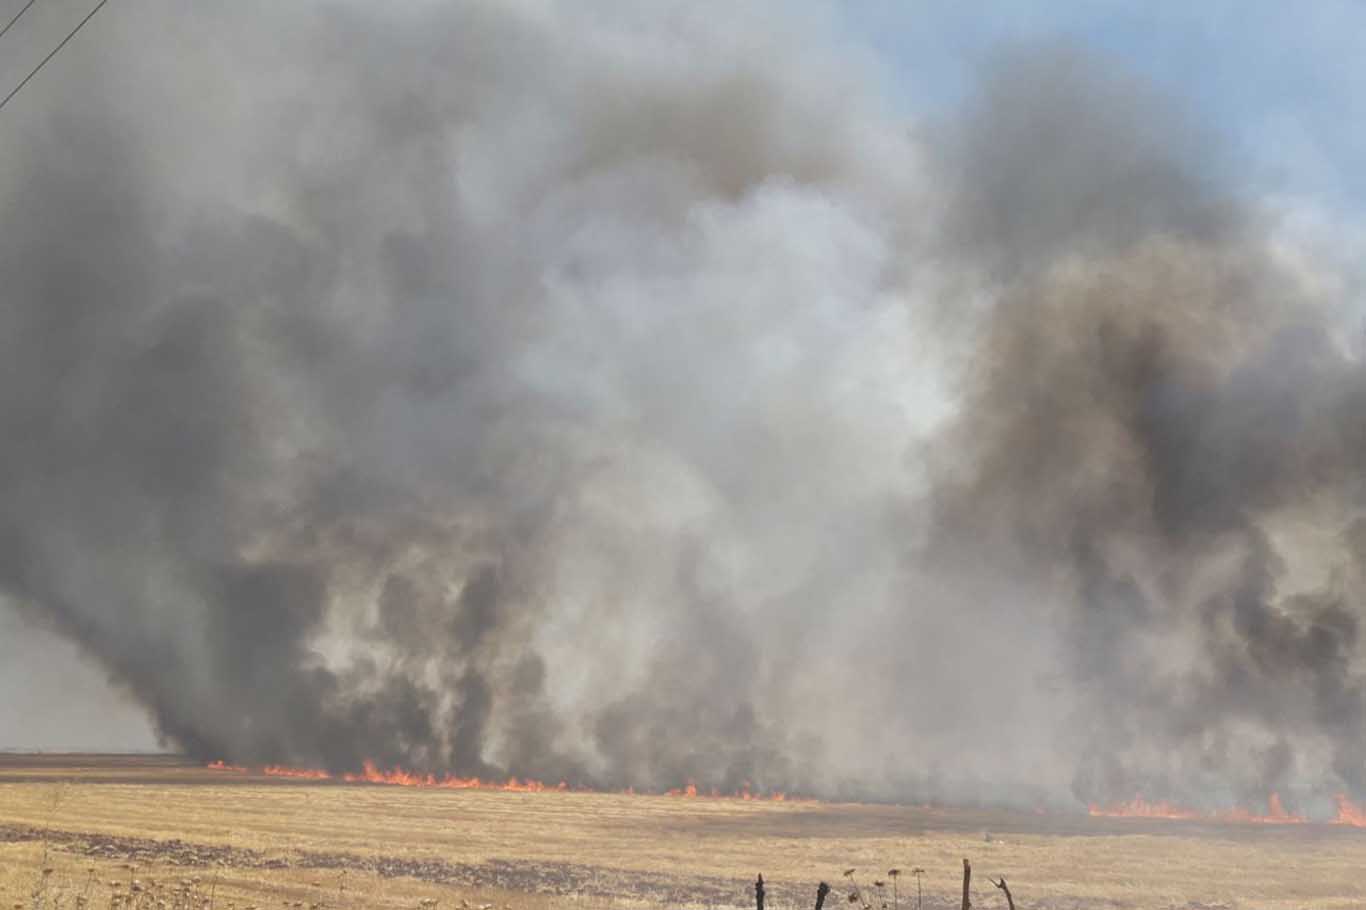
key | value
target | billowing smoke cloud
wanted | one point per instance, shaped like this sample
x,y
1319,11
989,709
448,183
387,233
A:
x,y
629,396
1158,454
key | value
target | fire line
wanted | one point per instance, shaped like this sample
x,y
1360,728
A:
x,y
371,774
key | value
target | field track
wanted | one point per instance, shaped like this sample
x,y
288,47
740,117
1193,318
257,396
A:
x,y
264,841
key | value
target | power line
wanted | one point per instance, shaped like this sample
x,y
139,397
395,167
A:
x,y
72,34
9,25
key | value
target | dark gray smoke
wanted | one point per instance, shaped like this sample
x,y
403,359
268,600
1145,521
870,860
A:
x,y
1158,453
629,397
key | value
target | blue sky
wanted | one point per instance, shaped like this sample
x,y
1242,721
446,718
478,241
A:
x,y
1282,84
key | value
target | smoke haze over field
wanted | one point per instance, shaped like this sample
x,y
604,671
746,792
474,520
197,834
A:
x,y
56,700
630,396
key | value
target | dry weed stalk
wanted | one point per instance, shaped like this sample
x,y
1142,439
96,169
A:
x,y
856,896
40,888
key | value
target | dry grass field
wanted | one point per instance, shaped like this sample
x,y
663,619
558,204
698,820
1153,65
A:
x,y
192,839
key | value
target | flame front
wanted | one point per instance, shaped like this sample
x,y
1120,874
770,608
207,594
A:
x,y
223,766
1348,813
371,773
299,773
1139,807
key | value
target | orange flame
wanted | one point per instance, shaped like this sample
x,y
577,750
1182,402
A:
x,y
1138,807
1351,814
371,773
220,766
298,773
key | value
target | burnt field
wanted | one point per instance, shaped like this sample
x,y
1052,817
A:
x,y
190,835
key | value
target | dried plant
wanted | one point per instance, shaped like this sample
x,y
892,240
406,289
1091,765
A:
x,y
856,896
919,893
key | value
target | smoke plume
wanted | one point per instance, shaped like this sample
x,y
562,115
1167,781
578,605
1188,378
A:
x,y
630,396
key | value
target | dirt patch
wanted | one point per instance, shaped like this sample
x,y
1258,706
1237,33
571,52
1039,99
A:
x,y
550,878
546,878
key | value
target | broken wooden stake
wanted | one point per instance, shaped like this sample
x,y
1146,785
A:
x,y
967,882
1004,887
759,893
821,891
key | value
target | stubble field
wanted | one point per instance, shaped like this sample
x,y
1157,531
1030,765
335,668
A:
x,y
192,839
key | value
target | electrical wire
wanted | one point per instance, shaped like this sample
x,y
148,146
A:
x,y
17,16
72,34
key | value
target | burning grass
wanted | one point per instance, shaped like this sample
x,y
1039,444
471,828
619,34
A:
x,y
399,777
283,843
1349,814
